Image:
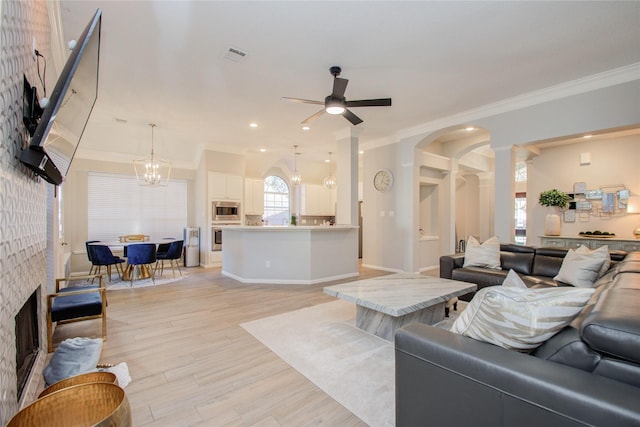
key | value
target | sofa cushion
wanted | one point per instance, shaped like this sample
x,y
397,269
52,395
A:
x,y
580,269
619,370
547,261
483,277
485,255
567,348
516,257
520,319
613,326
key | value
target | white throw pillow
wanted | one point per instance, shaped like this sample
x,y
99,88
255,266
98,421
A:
x,y
485,255
580,270
513,280
520,319
602,251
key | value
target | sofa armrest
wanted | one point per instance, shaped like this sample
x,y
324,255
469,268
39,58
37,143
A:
x,y
448,263
443,377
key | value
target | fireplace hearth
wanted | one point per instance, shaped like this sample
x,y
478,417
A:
x,y
27,340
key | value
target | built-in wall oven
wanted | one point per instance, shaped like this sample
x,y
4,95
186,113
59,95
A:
x,y
225,211
216,235
216,238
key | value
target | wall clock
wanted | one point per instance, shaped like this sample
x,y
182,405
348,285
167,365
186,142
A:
x,y
383,180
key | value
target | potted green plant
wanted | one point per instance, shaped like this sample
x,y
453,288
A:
x,y
554,197
554,200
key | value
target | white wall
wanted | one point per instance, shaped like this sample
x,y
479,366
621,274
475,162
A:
x,y
384,213
75,190
613,161
607,108
391,244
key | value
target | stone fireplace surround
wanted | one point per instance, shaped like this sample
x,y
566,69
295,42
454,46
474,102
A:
x,y
24,200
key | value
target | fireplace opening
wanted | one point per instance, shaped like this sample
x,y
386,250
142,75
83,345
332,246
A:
x,y
27,340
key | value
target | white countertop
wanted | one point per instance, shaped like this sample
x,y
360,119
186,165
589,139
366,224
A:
x,y
289,227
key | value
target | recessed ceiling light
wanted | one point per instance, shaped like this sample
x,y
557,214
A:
x,y
587,136
253,125
361,152
469,128
305,128
263,150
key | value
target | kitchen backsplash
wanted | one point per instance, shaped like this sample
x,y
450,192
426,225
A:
x,y
256,220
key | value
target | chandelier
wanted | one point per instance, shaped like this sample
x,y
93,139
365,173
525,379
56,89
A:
x,y
152,171
330,180
296,178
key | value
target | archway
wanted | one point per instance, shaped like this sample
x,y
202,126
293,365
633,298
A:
x,y
454,195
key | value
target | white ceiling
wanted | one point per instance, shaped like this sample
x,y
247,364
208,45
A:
x,y
163,62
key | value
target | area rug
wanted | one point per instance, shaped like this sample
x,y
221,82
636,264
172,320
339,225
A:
x,y
352,366
116,283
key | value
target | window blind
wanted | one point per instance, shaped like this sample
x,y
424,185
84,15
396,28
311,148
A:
x,y
117,205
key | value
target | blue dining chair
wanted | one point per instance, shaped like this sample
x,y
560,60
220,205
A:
x,y
141,256
173,254
101,255
163,248
87,244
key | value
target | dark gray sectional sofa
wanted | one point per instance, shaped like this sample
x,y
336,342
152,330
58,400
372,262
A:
x,y
536,266
587,374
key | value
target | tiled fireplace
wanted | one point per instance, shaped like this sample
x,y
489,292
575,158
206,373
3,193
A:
x,y
23,199
27,340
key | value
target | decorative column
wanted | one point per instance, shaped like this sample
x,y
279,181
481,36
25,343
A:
x,y
504,218
347,177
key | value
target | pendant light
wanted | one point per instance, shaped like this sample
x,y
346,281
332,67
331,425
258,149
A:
x,y
151,171
330,181
296,178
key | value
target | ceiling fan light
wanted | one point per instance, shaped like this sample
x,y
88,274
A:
x,y
335,109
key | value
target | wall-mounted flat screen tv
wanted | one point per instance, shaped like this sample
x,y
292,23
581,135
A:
x,y
64,119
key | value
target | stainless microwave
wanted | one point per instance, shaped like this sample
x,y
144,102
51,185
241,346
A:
x,y
225,211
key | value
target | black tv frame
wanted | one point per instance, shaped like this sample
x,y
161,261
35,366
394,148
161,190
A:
x,y
34,156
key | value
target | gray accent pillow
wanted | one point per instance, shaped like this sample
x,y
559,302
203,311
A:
x,y
520,319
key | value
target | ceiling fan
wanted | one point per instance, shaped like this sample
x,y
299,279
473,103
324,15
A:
x,y
336,103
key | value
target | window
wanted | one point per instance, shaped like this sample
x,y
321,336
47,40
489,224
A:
x,y
276,200
117,205
521,218
520,175
521,172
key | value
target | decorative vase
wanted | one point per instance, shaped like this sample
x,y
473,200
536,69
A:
x,y
552,222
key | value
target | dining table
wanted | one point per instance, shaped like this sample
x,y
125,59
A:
x,y
144,272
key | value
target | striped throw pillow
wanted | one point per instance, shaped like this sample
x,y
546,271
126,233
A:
x,y
520,319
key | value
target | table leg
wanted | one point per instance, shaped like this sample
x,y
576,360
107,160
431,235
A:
x,y
385,325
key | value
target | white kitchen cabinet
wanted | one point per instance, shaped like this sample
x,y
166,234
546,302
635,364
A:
x,y
317,200
253,196
223,186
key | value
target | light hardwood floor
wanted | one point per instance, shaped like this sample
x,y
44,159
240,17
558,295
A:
x,y
193,365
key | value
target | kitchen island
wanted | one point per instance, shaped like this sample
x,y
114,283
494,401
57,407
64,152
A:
x,y
290,255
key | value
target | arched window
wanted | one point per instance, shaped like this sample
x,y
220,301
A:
x,y
276,200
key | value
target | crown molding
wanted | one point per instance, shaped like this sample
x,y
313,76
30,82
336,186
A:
x,y
587,84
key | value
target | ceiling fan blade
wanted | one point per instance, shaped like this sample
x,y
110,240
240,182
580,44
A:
x,y
301,101
313,117
382,102
355,120
339,86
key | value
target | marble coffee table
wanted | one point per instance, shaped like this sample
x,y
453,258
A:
x,y
384,304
